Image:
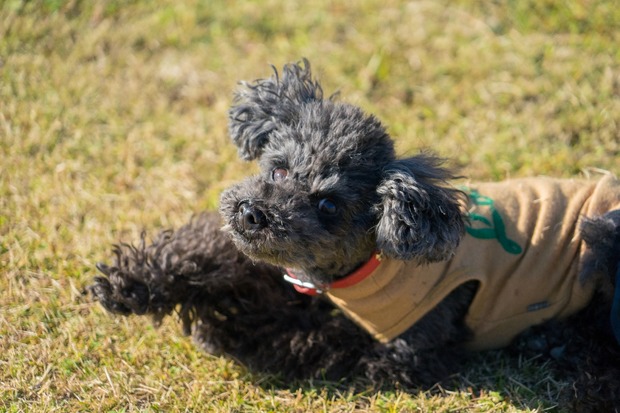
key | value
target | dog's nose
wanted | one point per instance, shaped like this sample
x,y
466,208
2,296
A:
x,y
251,217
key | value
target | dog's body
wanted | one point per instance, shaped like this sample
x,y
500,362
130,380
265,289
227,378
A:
x,y
522,247
330,195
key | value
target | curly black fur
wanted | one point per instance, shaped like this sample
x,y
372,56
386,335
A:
x,y
412,190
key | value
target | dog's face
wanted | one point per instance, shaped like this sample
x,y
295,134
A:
x,y
311,206
330,191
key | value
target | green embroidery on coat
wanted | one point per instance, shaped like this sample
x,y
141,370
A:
x,y
495,227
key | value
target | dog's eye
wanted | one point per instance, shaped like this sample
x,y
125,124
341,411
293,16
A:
x,y
327,206
279,174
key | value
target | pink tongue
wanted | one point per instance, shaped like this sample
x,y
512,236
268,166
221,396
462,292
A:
x,y
305,290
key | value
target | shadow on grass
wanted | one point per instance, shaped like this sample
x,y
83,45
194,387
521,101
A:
x,y
489,381
559,367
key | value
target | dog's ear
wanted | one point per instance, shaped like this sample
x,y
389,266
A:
x,y
420,216
260,107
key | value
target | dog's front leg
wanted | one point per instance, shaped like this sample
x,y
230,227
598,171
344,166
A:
x,y
179,270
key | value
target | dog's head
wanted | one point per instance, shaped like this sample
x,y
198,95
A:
x,y
331,190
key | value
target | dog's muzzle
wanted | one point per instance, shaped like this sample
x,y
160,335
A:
x,y
250,217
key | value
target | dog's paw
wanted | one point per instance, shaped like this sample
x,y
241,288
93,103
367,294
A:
x,y
119,294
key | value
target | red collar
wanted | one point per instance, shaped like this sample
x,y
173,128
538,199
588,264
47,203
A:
x,y
355,277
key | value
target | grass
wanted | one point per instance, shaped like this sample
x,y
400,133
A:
x,y
113,119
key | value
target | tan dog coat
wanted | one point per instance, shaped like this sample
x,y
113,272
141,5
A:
x,y
522,245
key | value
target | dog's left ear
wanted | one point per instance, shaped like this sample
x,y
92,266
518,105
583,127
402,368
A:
x,y
420,217
262,106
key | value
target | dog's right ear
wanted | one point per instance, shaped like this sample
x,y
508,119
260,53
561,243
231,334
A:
x,y
262,106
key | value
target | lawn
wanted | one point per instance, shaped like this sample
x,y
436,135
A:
x,y
113,120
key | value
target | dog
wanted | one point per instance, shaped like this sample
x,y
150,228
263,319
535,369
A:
x,y
340,260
